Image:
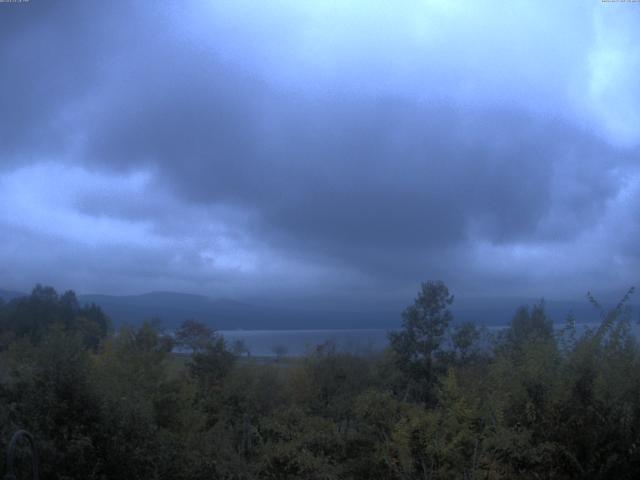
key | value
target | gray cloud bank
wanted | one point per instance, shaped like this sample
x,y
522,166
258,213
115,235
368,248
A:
x,y
326,151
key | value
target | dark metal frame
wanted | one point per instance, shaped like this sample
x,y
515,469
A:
x,y
11,453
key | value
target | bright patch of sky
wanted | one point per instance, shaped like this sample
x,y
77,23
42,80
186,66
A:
x,y
573,60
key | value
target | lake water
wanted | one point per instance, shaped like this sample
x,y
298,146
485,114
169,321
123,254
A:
x,y
300,342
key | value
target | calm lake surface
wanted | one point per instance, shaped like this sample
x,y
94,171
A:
x,y
300,342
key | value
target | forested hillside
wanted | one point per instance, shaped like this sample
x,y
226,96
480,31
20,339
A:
x,y
445,400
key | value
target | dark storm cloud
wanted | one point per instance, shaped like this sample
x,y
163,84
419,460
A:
x,y
51,55
357,179
219,156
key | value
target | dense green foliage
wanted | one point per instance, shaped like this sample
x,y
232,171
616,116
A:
x,y
445,401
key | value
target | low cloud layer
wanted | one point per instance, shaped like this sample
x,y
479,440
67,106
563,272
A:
x,y
323,151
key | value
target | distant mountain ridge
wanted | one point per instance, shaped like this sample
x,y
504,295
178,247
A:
x,y
225,314
171,308
7,295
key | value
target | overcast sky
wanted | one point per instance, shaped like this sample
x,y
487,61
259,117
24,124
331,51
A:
x,y
326,150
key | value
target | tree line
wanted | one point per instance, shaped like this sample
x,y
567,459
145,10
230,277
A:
x,y
443,401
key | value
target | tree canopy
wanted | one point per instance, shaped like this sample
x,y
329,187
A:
x,y
445,400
